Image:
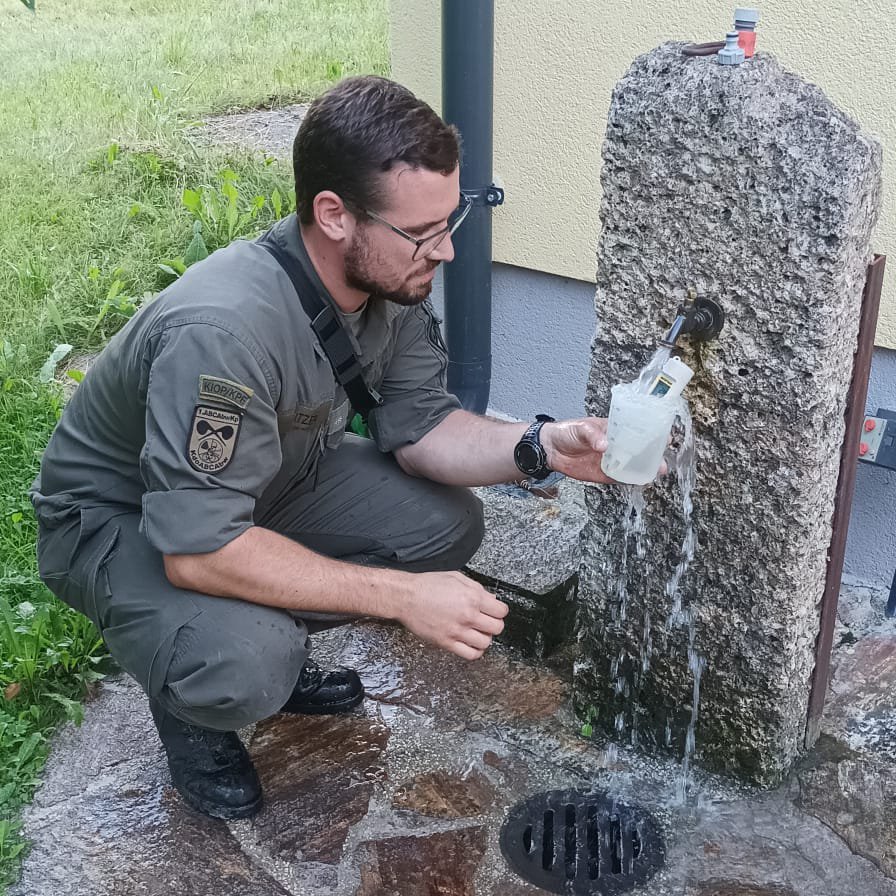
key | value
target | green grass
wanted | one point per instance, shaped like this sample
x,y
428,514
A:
x,y
82,74
49,653
99,106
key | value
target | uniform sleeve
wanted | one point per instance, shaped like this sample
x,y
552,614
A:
x,y
415,397
212,443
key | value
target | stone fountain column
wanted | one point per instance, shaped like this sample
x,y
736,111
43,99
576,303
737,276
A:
x,y
750,185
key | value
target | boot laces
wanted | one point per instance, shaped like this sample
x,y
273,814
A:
x,y
219,744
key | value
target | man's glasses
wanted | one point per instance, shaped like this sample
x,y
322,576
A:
x,y
426,245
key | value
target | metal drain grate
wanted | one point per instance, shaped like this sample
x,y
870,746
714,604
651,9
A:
x,y
568,841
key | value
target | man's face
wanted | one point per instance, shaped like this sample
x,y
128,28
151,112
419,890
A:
x,y
380,261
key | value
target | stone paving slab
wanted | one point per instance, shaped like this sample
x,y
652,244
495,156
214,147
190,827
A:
x,y
863,695
406,796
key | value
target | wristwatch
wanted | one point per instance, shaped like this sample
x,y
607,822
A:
x,y
530,456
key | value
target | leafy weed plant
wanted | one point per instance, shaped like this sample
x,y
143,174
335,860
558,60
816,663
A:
x,y
224,213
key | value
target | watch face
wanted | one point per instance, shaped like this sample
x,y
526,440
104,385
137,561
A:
x,y
527,457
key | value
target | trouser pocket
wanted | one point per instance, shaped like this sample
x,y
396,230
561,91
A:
x,y
72,556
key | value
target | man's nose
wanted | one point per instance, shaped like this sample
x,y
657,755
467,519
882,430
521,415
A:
x,y
444,251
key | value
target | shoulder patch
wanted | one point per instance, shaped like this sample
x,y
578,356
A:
x,y
212,439
215,388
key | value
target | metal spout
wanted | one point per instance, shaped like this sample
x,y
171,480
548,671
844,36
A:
x,y
700,318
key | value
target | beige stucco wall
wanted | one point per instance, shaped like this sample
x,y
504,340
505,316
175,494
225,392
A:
x,y
556,62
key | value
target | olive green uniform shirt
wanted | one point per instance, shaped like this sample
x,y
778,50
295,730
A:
x,y
216,400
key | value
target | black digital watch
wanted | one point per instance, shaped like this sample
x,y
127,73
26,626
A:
x,y
529,455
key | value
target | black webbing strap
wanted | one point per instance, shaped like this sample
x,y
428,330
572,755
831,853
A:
x,y
330,332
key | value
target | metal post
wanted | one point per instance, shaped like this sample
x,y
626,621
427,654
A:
x,y
855,415
467,82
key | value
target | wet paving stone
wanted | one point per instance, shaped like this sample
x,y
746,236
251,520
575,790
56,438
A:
x,y
510,769
862,708
188,852
442,864
857,799
142,843
767,845
318,774
443,795
373,803
732,888
398,669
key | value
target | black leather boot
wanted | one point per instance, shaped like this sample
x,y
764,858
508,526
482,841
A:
x,y
210,769
320,693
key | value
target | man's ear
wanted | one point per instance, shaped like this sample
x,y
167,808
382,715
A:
x,y
332,217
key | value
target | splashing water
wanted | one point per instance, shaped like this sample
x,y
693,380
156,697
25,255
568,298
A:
x,y
682,464
653,368
634,526
696,664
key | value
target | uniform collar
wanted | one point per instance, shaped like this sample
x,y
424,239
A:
x,y
288,234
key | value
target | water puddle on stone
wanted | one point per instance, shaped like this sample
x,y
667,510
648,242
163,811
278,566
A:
x,y
682,466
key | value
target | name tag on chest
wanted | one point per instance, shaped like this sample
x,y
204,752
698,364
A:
x,y
309,416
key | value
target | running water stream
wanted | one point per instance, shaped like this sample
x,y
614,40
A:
x,y
681,464
653,368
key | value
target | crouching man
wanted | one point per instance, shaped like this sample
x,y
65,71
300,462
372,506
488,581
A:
x,y
200,500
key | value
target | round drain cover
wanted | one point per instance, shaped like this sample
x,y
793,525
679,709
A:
x,y
570,841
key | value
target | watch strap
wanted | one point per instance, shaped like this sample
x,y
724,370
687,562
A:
x,y
532,438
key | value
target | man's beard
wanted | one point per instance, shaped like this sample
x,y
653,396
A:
x,y
359,276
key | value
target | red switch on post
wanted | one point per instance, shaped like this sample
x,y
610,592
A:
x,y
863,449
869,425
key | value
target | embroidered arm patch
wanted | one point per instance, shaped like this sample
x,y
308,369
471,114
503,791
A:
x,y
216,388
212,441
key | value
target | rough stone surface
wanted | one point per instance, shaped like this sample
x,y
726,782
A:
x,y
531,543
530,558
856,799
108,821
861,611
863,694
319,776
506,690
438,864
749,185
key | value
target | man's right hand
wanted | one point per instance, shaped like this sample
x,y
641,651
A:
x,y
445,608
454,613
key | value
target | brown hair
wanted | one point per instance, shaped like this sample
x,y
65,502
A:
x,y
360,129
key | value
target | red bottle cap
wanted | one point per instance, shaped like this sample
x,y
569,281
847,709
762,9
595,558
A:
x,y
746,40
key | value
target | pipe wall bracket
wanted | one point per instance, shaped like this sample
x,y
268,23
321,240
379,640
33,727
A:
x,y
492,195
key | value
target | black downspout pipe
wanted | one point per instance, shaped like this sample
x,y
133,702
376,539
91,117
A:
x,y
468,38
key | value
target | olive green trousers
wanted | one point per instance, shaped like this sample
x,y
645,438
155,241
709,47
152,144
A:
x,y
223,663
